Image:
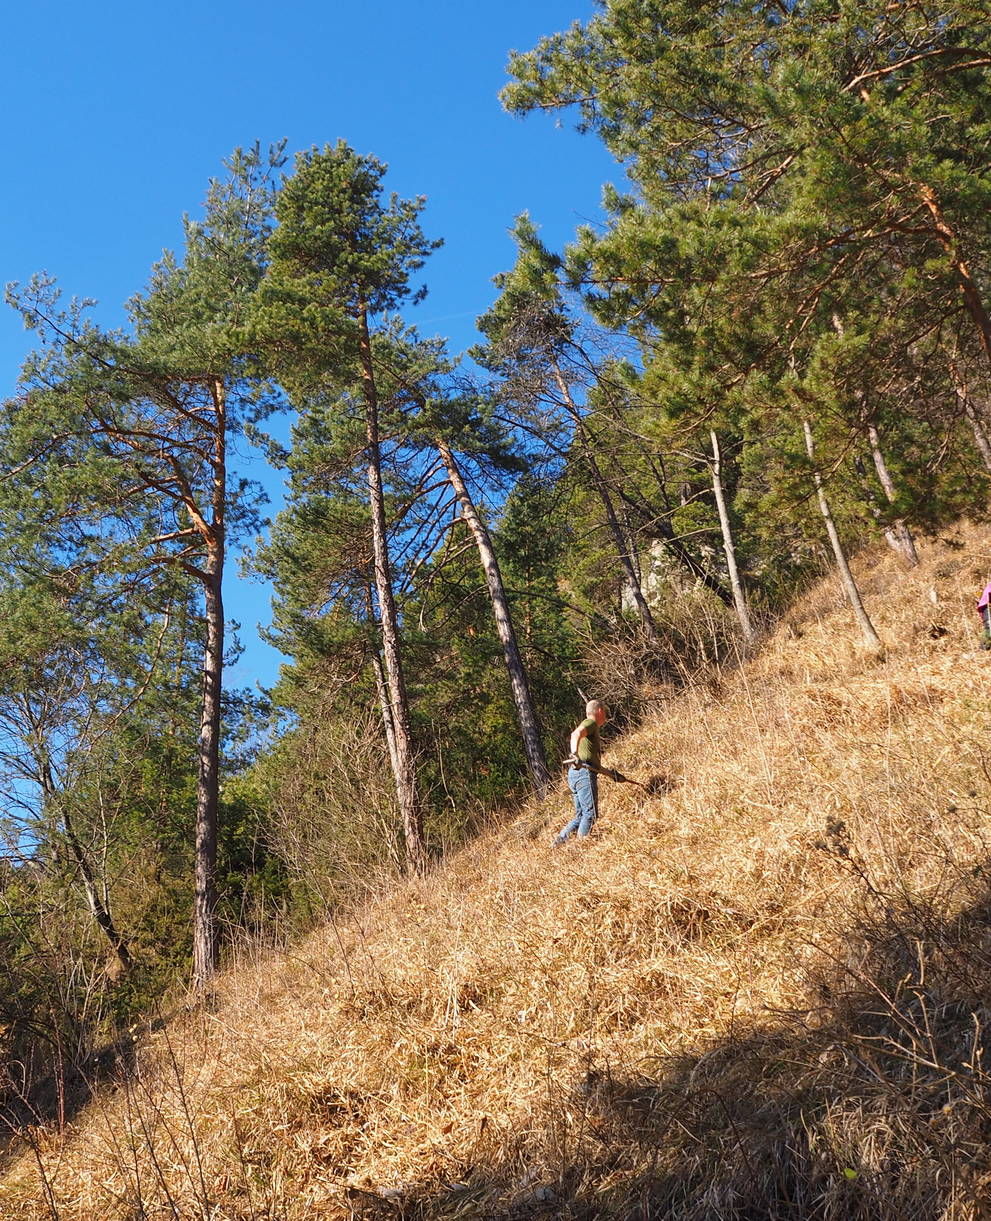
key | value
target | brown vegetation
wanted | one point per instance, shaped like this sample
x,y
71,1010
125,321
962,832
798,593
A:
x,y
761,993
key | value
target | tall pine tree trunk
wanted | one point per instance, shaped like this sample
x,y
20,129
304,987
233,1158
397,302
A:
x,y
406,777
736,585
382,692
525,712
206,944
849,584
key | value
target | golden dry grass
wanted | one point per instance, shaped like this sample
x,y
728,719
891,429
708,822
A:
x,y
760,993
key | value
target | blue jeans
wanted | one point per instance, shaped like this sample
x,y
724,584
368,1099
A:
x,y
584,787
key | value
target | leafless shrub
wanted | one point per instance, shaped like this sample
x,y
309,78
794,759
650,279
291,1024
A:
x,y
333,809
634,673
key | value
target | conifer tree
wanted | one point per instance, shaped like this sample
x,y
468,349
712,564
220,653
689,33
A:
x,y
576,403
788,163
130,435
341,261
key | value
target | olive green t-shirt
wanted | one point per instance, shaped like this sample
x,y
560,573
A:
x,y
590,748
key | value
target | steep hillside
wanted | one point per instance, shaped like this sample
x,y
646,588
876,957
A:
x,y
759,993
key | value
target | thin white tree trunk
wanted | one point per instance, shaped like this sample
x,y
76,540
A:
x,y
526,714
99,907
849,584
875,508
382,691
976,419
406,772
906,543
980,435
898,535
736,585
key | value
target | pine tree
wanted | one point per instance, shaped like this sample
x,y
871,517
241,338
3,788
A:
x,y
341,260
788,164
130,434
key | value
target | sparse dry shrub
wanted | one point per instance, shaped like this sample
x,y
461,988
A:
x,y
332,809
633,673
628,673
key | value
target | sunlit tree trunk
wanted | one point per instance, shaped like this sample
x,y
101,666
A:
x,y
405,759
736,585
849,584
382,693
899,528
525,712
205,935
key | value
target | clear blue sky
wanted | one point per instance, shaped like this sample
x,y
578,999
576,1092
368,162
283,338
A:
x,y
117,114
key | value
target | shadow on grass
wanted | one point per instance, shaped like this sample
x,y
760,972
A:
x,y
873,1104
53,1098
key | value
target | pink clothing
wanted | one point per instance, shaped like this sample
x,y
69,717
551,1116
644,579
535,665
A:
x,y
985,598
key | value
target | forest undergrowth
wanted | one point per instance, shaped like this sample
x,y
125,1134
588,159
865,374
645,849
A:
x,y
759,991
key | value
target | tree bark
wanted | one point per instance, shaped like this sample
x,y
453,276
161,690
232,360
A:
x,y
974,417
206,943
382,691
525,712
875,508
980,435
100,910
849,584
406,777
898,535
906,543
736,585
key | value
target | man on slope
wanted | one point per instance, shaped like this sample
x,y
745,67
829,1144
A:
x,y
584,772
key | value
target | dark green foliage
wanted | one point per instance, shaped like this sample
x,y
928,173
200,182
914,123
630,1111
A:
x,y
805,237
338,251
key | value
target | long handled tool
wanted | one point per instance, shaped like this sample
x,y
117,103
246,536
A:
x,y
655,784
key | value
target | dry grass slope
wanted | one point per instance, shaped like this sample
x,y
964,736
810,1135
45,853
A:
x,y
761,994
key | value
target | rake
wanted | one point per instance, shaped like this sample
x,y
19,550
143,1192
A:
x,y
653,785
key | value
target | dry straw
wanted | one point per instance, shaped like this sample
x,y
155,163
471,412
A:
x,y
760,993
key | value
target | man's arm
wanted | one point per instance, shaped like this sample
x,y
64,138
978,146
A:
x,y
611,772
